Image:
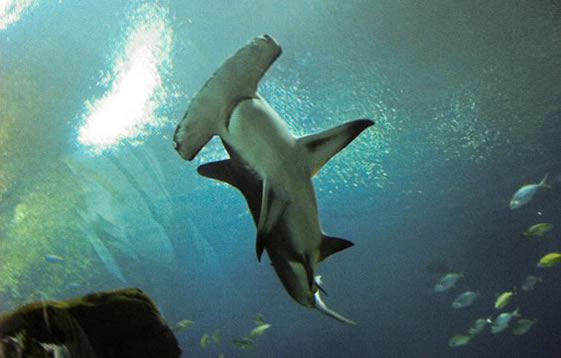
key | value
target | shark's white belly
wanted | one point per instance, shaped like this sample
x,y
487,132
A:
x,y
260,137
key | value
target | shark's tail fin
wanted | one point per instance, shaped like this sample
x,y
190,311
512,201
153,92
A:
x,y
320,306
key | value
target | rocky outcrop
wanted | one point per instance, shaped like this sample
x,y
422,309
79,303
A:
x,y
122,323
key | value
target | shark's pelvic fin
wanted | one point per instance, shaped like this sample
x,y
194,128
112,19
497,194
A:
x,y
324,145
262,204
272,208
309,271
331,245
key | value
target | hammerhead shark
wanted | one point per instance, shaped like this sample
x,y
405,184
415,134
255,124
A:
x,y
272,168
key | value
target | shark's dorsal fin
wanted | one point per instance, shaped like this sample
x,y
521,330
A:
x,y
331,245
324,145
241,178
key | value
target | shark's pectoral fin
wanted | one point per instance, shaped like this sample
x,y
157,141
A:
x,y
272,208
330,245
265,204
324,145
221,170
235,174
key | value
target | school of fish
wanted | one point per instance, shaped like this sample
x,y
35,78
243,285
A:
x,y
504,319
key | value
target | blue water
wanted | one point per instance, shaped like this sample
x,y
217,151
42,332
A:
x,y
466,97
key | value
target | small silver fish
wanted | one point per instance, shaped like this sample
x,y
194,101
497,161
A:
x,y
503,320
73,285
522,326
478,326
53,258
525,194
447,281
530,282
465,299
181,325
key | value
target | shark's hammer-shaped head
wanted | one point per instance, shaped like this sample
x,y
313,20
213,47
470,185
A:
x,y
235,80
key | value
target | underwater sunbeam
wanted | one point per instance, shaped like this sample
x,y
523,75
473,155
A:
x,y
134,84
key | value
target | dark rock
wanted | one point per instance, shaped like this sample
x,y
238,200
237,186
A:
x,y
123,323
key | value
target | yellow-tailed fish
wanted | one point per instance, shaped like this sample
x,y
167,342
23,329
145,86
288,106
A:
x,y
243,342
504,298
459,340
537,230
259,330
181,325
205,340
550,259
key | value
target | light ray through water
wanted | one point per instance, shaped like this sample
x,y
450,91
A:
x,y
135,89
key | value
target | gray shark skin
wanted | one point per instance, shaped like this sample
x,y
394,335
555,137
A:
x,y
295,276
272,168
